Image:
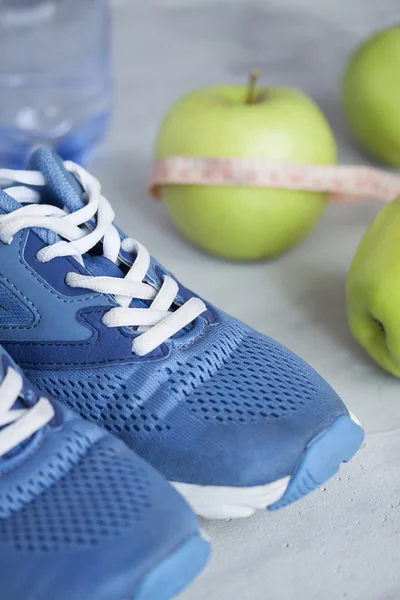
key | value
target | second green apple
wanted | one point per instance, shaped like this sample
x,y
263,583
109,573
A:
x,y
241,222
373,289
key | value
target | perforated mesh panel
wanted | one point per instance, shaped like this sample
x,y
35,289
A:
x,y
239,377
102,496
68,454
110,395
104,397
260,381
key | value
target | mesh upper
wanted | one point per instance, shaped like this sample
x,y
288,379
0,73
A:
x,y
241,377
100,497
104,397
234,408
69,451
260,381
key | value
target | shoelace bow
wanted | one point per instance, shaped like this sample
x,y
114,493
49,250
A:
x,y
19,424
156,323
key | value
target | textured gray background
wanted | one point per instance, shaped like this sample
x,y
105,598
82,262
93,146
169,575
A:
x,y
342,541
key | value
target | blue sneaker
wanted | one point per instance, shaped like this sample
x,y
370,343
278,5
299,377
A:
x,y
81,516
236,421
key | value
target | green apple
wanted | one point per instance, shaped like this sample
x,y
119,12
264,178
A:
x,y
371,92
373,289
242,222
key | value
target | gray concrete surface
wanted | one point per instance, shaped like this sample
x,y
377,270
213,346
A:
x,y
342,541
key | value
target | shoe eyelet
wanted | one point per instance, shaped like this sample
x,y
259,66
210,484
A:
x,y
30,396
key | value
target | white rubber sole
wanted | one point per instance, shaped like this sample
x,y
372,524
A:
x,y
214,502
321,459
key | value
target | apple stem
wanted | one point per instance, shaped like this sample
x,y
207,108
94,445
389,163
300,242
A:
x,y
254,75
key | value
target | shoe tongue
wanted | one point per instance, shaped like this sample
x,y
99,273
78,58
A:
x,y
66,191
65,188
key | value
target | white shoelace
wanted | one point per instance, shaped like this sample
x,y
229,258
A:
x,y
157,323
17,425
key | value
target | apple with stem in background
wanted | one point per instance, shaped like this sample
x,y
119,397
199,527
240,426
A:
x,y
371,92
373,289
243,222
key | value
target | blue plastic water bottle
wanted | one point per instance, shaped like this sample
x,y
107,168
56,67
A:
x,y
55,79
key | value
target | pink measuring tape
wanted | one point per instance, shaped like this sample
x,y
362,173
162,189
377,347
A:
x,y
345,183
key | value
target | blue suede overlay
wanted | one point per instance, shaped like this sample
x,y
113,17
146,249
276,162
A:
x,y
105,346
